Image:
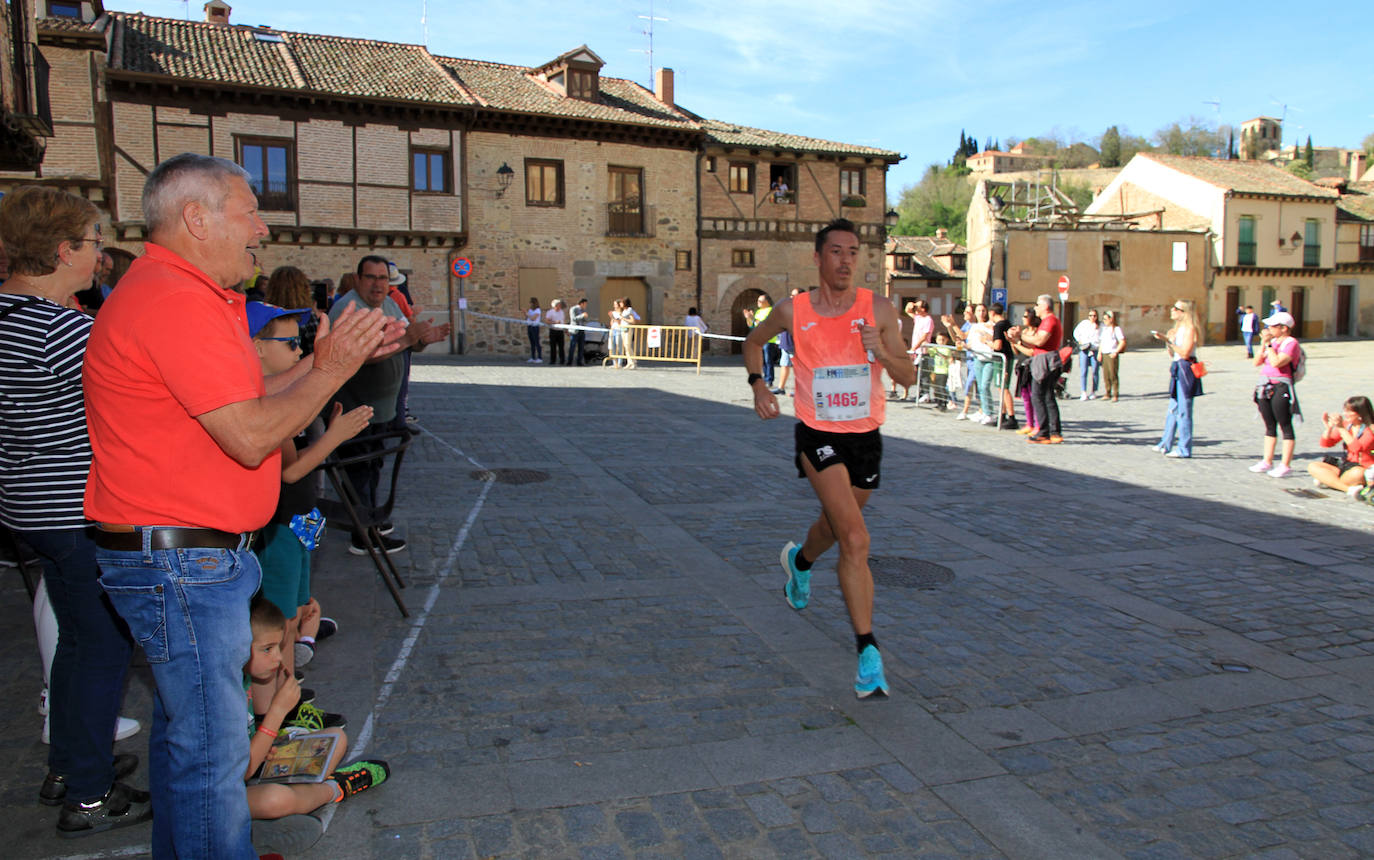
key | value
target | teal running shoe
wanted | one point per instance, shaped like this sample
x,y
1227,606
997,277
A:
x,y
870,680
798,587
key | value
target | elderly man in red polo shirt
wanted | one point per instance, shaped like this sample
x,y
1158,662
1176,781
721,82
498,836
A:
x,y
185,435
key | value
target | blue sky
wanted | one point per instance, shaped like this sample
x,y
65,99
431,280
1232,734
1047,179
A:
x,y
909,76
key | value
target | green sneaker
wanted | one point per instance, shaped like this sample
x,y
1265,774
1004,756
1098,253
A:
x,y
797,590
360,776
312,719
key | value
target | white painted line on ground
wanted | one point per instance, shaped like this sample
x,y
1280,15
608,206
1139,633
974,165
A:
x,y
417,624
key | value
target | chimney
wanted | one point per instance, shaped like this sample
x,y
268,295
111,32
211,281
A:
x,y
217,12
663,86
941,233
1357,162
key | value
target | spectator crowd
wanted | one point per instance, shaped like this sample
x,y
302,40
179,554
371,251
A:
x,y
161,435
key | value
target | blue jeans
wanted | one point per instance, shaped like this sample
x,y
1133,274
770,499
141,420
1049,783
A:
x,y
188,608
1178,426
578,348
989,370
772,354
536,349
1249,343
93,651
1088,363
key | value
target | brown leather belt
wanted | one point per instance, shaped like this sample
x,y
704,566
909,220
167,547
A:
x,y
130,538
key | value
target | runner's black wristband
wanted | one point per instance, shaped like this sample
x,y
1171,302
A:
x,y
754,377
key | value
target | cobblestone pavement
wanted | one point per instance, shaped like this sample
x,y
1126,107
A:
x,y
1133,656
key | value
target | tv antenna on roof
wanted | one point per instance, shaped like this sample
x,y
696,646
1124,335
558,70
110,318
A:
x,y
649,32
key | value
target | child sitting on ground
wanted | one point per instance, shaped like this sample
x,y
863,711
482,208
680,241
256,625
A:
x,y
286,542
275,800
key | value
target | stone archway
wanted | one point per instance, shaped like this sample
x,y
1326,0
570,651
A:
x,y
744,293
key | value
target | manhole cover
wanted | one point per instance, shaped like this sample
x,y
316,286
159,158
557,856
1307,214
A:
x,y
509,476
909,573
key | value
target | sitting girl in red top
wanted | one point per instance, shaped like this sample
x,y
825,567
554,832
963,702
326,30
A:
x,y
1354,427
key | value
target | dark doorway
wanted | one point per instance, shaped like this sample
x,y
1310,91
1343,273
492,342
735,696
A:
x,y
738,326
1232,314
1343,296
1296,309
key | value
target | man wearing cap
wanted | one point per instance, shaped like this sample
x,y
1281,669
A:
x,y
185,434
378,382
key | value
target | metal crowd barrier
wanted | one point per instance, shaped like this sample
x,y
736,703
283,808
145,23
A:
x,y
940,378
672,343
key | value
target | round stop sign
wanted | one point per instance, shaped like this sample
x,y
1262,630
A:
x,y
1063,287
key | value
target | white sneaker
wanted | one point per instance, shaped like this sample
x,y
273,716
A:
x,y
1092,396
985,420
1262,466
1280,471
1083,396
924,398
962,416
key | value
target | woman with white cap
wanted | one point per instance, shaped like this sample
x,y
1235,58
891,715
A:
x,y
1274,395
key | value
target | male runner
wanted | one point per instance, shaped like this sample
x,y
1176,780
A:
x,y
839,331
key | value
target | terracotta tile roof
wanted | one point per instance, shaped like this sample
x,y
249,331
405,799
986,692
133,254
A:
x,y
361,68
923,245
730,134
298,61
1246,177
1357,204
61,23
923,250
513,88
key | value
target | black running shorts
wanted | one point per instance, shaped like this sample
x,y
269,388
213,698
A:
x,y
860,453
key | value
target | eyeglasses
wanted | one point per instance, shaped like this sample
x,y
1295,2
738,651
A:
x,y
97,239
292,343
1177,308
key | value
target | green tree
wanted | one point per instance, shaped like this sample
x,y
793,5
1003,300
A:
x,y
1307,153
1192,136
940,199
1368,145
1300,169
1110,147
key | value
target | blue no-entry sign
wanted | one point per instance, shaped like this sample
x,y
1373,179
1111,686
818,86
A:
x,y
462,267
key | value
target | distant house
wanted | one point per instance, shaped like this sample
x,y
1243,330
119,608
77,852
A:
x,y
757,239
1024,238
992,162
1273,235
925,267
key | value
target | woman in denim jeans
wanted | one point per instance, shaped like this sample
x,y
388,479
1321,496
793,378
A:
x,y
54,243
1181,344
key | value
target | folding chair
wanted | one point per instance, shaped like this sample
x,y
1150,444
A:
x,y
350,513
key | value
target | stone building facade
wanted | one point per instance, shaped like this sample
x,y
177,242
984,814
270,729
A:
x,y
554,181
1137,270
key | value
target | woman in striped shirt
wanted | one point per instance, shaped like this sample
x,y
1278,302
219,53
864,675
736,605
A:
x,y
54,245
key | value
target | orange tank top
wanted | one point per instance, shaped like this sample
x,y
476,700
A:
x,y
838,389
